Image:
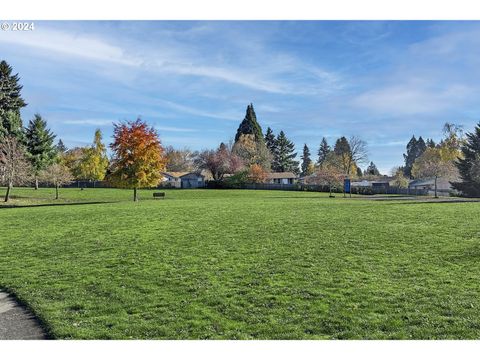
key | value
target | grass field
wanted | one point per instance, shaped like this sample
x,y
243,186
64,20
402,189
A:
x,y
208,264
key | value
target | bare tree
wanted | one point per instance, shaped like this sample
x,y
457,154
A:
x,y
15,169
219,162
358,151
179,160
58,175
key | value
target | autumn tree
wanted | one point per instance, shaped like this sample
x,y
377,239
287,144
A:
x,y
399,181
219,162
179,160
431,164
257,174
330,173
15,169
58,175
40,146
94,161
138,157
252,151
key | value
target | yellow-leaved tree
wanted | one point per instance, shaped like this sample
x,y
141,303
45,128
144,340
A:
x,y
138,156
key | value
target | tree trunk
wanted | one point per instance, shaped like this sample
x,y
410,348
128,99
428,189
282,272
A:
x,y
7,195
56,191
135,197
36,183
436,188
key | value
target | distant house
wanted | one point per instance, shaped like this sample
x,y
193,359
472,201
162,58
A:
x,y
281,178
443,185
183,180
378,183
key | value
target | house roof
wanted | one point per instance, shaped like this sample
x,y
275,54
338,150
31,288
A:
x,y
176,174
282,175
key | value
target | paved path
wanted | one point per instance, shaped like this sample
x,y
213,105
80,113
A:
x,y
16,322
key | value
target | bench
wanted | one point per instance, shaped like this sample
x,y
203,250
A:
x,y
159,195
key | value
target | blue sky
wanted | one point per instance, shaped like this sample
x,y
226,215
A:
x,y
381,81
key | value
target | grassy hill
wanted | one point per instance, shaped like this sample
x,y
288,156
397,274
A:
x,y
242,265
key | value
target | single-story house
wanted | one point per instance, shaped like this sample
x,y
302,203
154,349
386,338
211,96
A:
x,y
183,180
282,178
443,185
379,183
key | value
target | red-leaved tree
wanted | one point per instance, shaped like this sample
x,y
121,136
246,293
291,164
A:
x,y
138,156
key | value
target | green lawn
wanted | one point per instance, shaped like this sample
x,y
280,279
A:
x,y
242,265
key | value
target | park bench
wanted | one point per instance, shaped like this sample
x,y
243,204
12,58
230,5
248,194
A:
x,y
159,195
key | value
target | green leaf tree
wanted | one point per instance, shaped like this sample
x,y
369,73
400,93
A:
x,y
250,125
468,165
323,151
40,146
10,102
94,162
285,155
306,161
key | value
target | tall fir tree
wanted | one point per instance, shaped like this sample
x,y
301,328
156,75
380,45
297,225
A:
x,y
40,147
10,102
343,150
415,149
250,125
469,165
271,144
323,151
430,143
372,169
61,148
306,161
285,156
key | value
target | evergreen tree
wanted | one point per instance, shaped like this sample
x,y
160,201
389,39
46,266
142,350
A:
x,y
61,148
469,165
270,141
421,146
249,125
415,149
285,156
40,147
359,172
430,143
271,144
306,161
372,170
10,102
344,152
323,151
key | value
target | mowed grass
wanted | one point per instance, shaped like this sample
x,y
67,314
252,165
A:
x,y
226,264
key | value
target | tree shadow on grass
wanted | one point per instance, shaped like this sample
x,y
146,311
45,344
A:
x,y
12,206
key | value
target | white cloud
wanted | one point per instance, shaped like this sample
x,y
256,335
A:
x,y
411,99
75,45
88,122
271,75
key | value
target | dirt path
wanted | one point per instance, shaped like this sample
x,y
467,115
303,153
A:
x,y
16,322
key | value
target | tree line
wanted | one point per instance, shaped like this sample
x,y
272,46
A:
x,y
29,155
